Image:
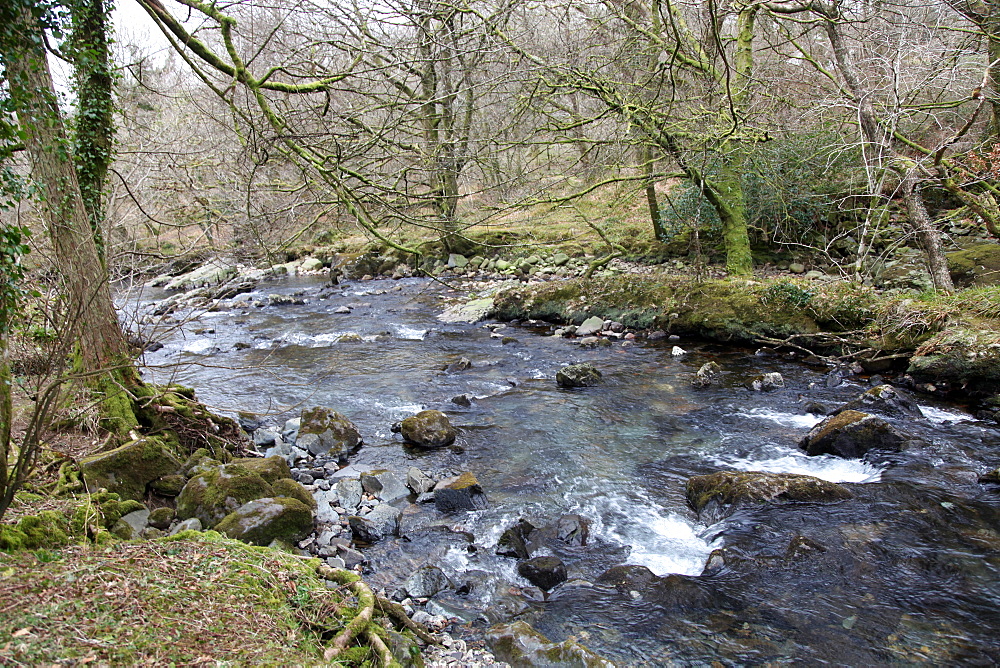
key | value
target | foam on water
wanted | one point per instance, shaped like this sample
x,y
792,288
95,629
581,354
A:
x,y
782,459
807,421
940,415
198,346
409,333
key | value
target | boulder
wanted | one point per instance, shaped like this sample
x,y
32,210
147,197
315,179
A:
x,y
131,525
428,429
127,470
418,481
272,469
192,524
543,572
324,431
271,518
218,491
520,645
349,490
884,400
425,582
767,382
286,487
706,375
573,530
852,434
311,264
384,485
717,495
161,518
168,485
590,326
381,522
513,542
578,375
459,493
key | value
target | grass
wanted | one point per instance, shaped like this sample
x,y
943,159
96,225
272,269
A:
x,y
200,599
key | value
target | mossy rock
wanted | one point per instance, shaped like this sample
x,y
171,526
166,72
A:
x,y
428,429
262,521
962,357
521,646
976,265
852,434
460,493
168,485
128,469
324,431
48,529
717,495
293,490
272,469
216,492
160,518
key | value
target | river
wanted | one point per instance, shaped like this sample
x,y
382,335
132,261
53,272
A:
x,y
906,572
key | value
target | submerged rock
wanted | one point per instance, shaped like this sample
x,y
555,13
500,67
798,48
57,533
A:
x,y
324,431
852,434
459,493
706,375
717,495
543,572
428,429
573,530
578,375
522,646
886,400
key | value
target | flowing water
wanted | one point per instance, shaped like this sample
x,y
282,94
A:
x,y
904,573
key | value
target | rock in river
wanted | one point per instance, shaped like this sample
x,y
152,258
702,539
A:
x,y
578,375
885,400
460,493
381,522
852,434
324,431
428,429
717,495
543,572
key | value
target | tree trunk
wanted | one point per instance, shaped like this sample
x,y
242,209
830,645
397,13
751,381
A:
x,y
928,236
102,353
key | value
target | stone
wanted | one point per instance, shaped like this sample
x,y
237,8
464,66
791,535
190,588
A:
x,y
456,261
543,572
326,502
797,268
418,481
766,382
350,557
294,490
342,310
381,522
128,469
717,495
573,530
192,524
384,485
324,431
852,434
513,542
560,259
131,525
349,490
578,375
885,400
271,469
218,491
311,264
291,430
168,485
460,493
590,326
265,438
161,518
428,429
677,351
463,400
262,521
425,582
706,375
250,422
461,365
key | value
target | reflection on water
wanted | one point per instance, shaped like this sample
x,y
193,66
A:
x,y
618,453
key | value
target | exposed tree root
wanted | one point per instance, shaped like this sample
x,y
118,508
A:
x,y
396,612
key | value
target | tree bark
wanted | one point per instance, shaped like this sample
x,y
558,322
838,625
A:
x,y
927,235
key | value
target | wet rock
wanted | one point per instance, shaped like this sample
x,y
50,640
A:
x,y
627,577
543,572
884,400
513,542
381,522
706,375
802,546
459,493
428,429
657,335
461,365
426,581
463,400
578,375
717,495
677,351
218,491
522,646
767,382
250,422
127,470
384,485
991,478
324,431
262,521
265,438
418,481
349,490
672,592
852,434
573,530
350,556
590,326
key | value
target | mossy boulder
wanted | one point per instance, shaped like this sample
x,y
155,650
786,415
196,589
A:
x,y
168,485
272,469
293,490
460,493
216,492
47,529
962,357
717,495
885,400
160,518
128,469
264,520
428,429
521,646
324,431
852,434
578,375
976,265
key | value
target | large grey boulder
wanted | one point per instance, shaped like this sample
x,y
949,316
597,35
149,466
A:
x,y
578,375
324,431
852,434
590,326
263,520
381,522
428,429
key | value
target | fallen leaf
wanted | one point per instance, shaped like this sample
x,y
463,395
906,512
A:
x,y
21,632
